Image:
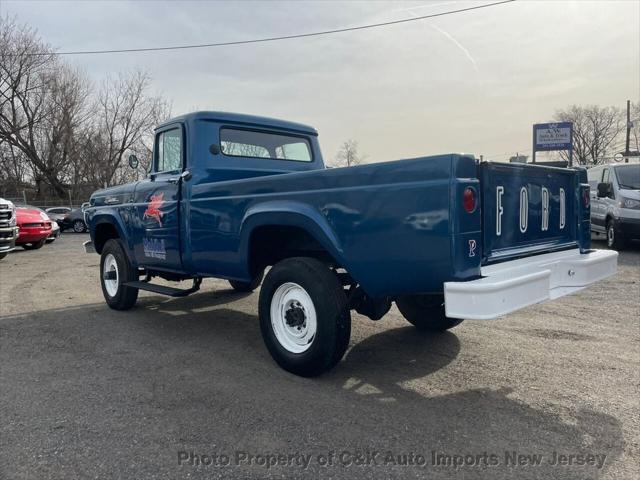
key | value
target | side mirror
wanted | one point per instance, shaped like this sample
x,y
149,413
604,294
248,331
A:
x,y
605,190
214,149
133,161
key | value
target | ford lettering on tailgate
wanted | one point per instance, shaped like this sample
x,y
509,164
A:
x,y
526,208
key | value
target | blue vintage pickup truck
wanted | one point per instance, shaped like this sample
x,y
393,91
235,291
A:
x,y
444,237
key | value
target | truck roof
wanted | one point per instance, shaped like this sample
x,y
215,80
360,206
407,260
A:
x,y
244,119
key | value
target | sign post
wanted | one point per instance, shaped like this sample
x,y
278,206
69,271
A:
x,y
548,137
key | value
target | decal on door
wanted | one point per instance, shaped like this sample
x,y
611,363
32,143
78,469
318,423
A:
x,y
153,209
154,248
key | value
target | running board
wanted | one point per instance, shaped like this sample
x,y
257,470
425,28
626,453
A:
x,y
164,290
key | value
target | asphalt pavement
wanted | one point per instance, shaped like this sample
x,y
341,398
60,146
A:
x,y
185,388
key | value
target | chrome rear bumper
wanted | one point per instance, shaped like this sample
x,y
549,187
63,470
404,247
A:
x,y
510,286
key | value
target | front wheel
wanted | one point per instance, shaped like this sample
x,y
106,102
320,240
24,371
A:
x,y
115,270
304,317
426,312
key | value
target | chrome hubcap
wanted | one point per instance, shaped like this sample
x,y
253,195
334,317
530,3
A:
x,y
110,275
293,317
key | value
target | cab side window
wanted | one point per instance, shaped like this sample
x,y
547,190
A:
x,y
169,151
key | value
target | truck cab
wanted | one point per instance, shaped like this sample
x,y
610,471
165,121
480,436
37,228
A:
x,y
444,237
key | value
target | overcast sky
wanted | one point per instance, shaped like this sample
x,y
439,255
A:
x,y
471,82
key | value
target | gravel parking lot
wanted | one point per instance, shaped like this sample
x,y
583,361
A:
x,y
184,388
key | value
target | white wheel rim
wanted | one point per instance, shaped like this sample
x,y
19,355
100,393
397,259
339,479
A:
x,y
290,305
610,235
110,265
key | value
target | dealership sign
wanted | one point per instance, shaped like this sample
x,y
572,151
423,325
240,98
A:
x,y
553,136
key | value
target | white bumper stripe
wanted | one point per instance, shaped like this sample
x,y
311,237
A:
x,y
510,286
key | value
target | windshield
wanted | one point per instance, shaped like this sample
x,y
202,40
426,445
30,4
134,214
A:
x,y
628,176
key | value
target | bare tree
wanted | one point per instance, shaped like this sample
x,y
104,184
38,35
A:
x,y
348,154
27,68
595,129
125,113
14,169
56,131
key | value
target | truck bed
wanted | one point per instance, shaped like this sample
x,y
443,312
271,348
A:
x,y
389,224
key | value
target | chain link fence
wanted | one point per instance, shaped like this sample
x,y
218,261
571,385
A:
x,y
45,203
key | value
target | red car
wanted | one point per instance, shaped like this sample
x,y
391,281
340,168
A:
x,y
34,227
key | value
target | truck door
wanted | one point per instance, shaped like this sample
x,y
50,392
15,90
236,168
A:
x,y
156,217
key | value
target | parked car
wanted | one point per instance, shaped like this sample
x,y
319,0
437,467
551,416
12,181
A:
x,y
74,220
8,228
615,202
444,237
58,213
55,231
34,227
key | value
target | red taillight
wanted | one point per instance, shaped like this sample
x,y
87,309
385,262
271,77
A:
x,y
586,197
469,199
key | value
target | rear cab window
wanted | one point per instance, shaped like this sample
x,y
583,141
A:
x,y
238,142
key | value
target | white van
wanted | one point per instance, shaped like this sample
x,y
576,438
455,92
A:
x,y
615,202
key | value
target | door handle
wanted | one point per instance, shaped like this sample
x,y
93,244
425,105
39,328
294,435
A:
x,y
186,175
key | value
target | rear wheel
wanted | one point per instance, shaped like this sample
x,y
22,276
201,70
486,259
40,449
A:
x,y
115,270
79,226
426,312
247,286
304,317
3,254
34,245
615,239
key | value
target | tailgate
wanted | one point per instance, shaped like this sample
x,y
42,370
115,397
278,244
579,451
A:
x,y
527,209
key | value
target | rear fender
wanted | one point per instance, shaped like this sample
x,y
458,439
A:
x,y
290,214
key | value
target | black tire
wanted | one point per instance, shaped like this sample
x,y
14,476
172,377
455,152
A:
x,y
34,245
426,312
247,286
79,226
125,297
615,240
333,318
3,254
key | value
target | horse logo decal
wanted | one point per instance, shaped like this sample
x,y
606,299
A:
x,y
153,209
